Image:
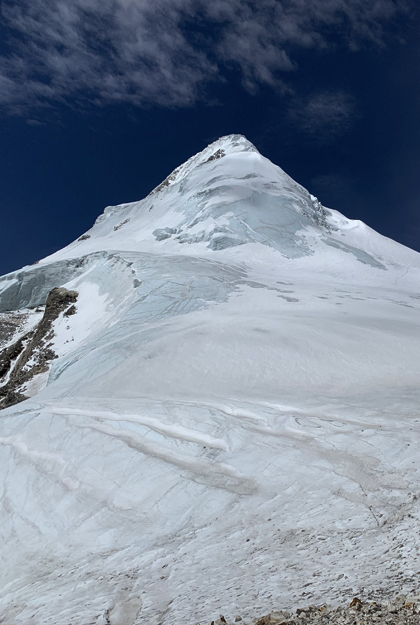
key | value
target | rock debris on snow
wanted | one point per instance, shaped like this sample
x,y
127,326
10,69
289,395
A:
x,y
400,611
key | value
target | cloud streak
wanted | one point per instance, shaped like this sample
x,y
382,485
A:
x,y
165,52
324,115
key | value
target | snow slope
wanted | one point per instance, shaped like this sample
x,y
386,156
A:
x,y
232,425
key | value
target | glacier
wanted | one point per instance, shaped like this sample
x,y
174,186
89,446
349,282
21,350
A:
x,y
230,421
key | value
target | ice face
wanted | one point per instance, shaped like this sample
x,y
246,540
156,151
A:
x,y
29,287
232,410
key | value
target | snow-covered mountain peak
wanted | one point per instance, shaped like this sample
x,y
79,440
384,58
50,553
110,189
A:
x,y
229,144
223,197
219,403
227,197
225,146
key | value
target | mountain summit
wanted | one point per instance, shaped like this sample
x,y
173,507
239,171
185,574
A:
x,y
210,403
226,196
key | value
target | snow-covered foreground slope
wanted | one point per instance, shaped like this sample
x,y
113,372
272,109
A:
x,y
232,422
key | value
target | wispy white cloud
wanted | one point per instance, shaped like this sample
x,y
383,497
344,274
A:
x,y
324,115
165,52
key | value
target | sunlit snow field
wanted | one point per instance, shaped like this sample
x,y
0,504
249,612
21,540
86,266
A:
x,y
232,425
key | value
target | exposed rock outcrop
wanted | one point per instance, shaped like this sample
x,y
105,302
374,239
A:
x,y
32,353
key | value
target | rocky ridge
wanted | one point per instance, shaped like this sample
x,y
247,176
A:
x,y
31,353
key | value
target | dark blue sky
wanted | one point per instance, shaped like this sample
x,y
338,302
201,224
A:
x,y
100,101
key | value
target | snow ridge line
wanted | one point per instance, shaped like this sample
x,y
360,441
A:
x,y
174,431
216,474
